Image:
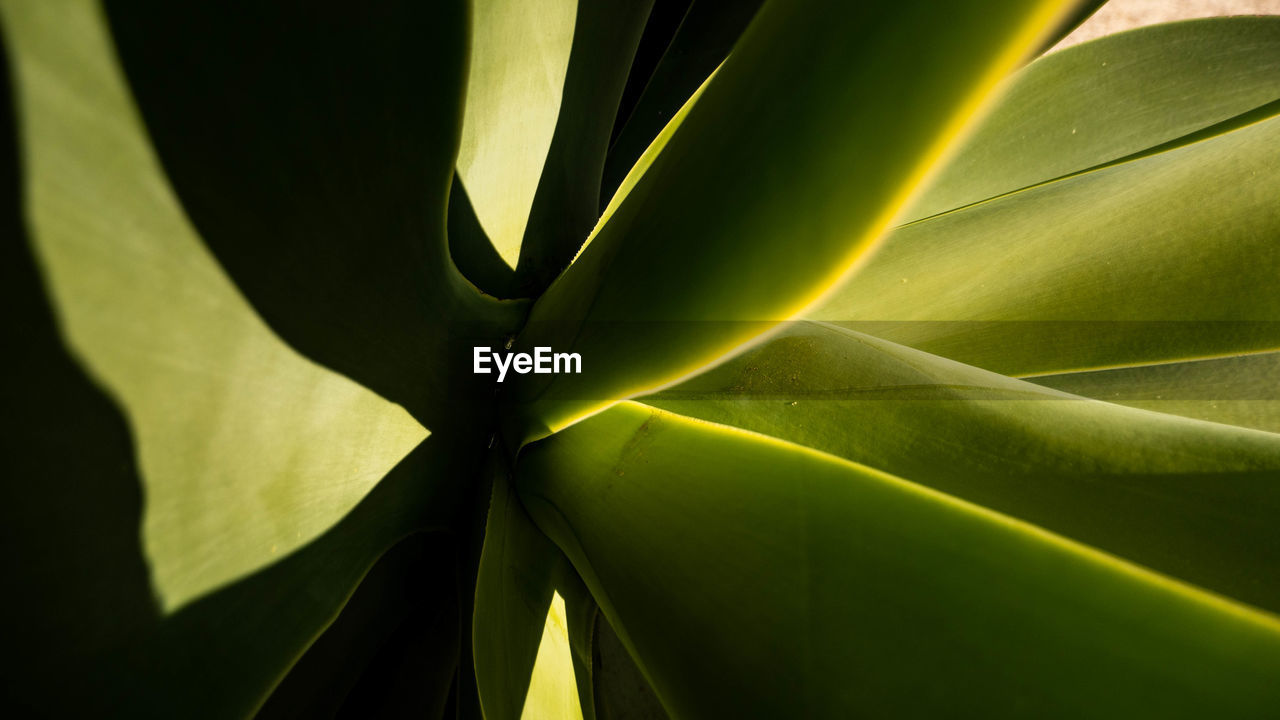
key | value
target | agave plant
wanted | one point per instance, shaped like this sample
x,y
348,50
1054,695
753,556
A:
x,y
919,375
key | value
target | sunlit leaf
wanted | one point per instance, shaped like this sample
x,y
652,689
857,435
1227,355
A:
x,y
701,42
1102,101
313,151
553,690
698,237
513,612
1166,256
1192,499
247,451
567,202
519,56
816,587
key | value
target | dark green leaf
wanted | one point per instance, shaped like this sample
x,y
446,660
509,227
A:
x,y
524,662
567,202
621,690
475,256
312,148
246,449
701,42
397,617
581,614
258,468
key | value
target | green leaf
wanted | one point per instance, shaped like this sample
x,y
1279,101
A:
x,y
813,586
581,612
313,152
95,639
1164,254
706,34
703,39
471,251
398,626
621,690
1109,99
567,202
1191,499
553,689
70,504
247,451
696,238
1236,390
513,595
519,56
265,621
525,660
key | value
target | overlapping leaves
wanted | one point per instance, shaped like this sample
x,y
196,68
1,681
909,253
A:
x,y
238,229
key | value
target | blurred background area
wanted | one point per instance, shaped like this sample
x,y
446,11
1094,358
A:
x,y
1119,15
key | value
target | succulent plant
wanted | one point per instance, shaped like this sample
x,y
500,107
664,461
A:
x,y
920,372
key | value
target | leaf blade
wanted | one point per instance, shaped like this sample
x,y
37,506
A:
x,y
313,151
1190,499
786,564
1157,256
649,237
246,449
519,59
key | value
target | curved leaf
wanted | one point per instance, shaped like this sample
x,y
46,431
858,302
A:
x,y
247,450
812,586
70,499
313,149
1109,99
514,591
703,222
265,621
1191,499
475,256
519,57
567,202
530,612
1162,256
703,39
